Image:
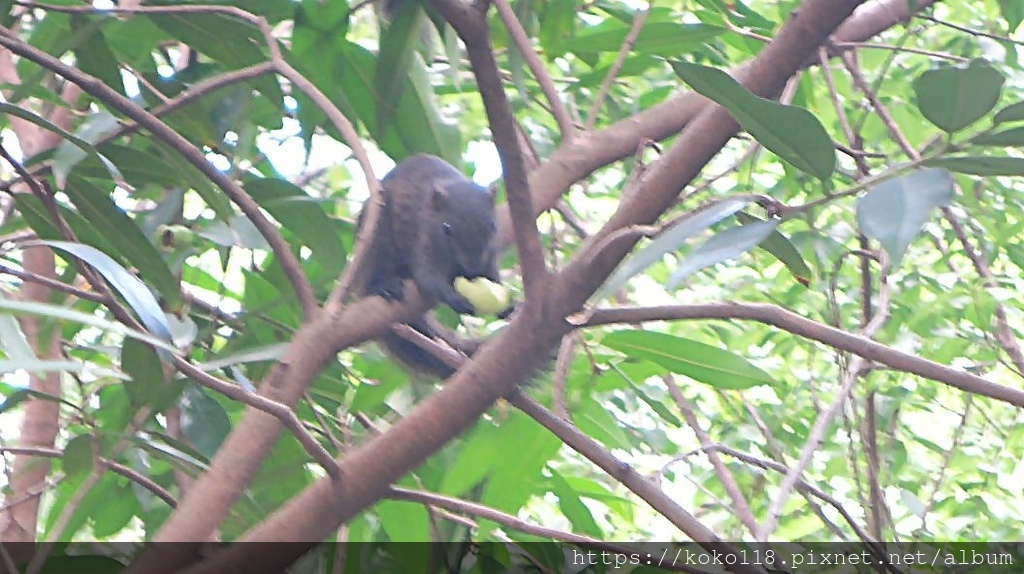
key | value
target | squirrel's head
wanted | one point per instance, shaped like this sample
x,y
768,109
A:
x,y
466,228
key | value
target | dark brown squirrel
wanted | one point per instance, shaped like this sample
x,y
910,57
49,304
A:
x,y
435,225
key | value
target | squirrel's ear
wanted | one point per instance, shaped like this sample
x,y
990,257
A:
x,y
439,197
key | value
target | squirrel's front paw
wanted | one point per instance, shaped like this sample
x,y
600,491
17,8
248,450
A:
x,y
391,290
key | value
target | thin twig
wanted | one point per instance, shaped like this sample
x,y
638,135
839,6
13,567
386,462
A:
x,y
740,505
259,402
817,434
627,46
522,43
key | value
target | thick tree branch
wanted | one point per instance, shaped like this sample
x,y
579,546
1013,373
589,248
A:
x,y
40,424
315,344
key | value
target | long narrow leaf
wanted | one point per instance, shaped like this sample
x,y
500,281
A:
x,y
135,292
670,240
64,314
50,126
726,245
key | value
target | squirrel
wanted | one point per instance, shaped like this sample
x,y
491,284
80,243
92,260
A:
x,y
435,225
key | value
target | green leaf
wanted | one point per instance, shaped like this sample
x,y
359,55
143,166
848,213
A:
x,y
7,16
347,71
953,98
58,312
303,216
44,366
94,56
138,167
47,125
12,400
1013,12
473,462
204,421
134,41
593,418
981,165
894,212
38,218
403,521
1011,113
135,292
572,507
1012,137
422,128
109,519
267,353
13,342
783,249
704,363
15,395
68,156
97,207
792,133
238,231
557,21
670,240
282,475
656,405
398,45
197,180
230,41
723,246
174,452
454,55
668,39
513,479
147,375
78,456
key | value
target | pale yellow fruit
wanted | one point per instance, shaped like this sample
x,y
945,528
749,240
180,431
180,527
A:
x,y
487,297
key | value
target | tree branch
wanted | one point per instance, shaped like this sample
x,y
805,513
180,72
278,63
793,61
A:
x,y
836,338
472,27
522,43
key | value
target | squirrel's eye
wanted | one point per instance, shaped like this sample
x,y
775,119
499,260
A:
x,y
447,228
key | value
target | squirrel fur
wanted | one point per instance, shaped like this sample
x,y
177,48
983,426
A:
x,y
435,225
